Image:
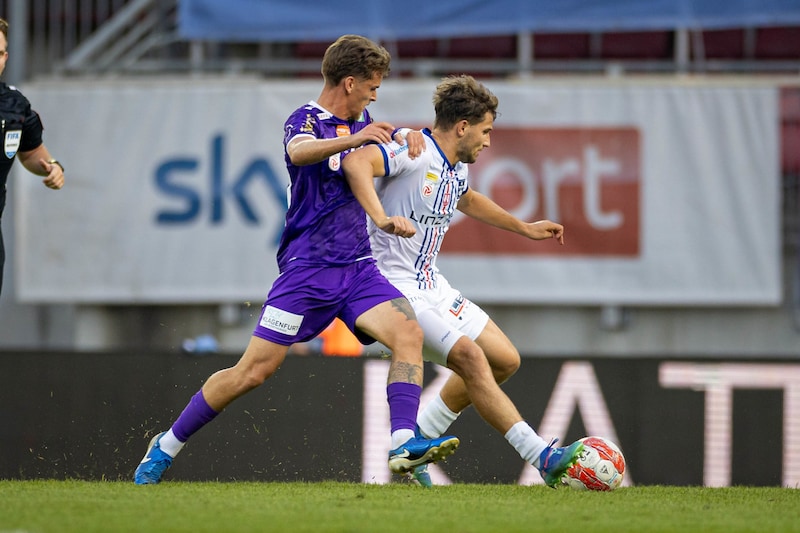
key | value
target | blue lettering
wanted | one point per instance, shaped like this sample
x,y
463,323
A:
x,y
191,200
222,191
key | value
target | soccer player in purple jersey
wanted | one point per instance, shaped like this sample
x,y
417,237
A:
x,y
326,267
458,333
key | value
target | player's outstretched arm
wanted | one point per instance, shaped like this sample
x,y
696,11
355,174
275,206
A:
x,y
307,150
483,208
360,167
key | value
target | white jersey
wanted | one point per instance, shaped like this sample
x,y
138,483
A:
x,y
425,190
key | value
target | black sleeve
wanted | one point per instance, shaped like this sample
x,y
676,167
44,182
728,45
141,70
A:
x,y
32,129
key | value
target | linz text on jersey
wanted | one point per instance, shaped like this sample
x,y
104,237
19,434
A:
x,y
429,220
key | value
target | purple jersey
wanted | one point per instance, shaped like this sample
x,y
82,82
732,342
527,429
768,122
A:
x,y
325,224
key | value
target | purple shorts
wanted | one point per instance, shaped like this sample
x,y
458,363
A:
x,y
304,300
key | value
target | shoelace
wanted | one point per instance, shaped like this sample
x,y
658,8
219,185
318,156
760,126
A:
x,y
549,455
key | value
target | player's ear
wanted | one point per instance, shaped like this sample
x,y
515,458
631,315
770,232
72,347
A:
x,y
349,82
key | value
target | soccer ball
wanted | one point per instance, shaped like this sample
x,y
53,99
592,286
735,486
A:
x,y
601,466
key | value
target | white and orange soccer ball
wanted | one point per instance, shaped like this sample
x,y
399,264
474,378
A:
x,y
601,466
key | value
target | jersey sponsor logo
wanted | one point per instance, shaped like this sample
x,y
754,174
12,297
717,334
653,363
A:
x,y
11,143
394,153
281,321
342,130
335,161
431,220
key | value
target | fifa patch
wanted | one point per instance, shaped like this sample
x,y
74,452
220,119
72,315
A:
x,y
11,142
281,321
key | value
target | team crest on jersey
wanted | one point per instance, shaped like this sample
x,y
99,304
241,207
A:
x,y
11,142
308,125
334,162
427,190
342,130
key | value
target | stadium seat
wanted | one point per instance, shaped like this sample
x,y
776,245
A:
x,y
637,45
790,131
310,50
499,47
778,43
723,44
416,48
561,45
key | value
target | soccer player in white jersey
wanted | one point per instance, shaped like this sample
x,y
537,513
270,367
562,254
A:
x,y
458,333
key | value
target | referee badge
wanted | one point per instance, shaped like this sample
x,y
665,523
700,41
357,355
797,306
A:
x,y
11,143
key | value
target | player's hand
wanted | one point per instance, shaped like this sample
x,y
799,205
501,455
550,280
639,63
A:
x,y
545,229
400,226
415,140
55,176
379,132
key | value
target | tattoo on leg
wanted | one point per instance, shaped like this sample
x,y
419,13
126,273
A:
x,y
406,373
402,305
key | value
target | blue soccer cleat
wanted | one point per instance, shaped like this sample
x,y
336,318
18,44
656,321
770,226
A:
x,y
420,451
420,476
554,462
153,464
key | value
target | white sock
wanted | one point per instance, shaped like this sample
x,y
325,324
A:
x,y
526,441
170,444
401,436
436,418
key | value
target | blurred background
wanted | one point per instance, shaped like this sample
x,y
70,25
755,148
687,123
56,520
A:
x,y
153,55
664,135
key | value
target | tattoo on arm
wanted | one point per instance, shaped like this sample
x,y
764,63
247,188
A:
x,y
406,373
402,305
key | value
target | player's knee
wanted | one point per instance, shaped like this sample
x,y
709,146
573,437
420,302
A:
x,y
468,360
406,336
506,366
255,375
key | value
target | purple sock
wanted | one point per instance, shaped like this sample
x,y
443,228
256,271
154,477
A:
x,y
196,415
403,404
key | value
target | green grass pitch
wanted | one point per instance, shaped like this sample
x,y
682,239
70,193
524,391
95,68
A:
x,y
44,506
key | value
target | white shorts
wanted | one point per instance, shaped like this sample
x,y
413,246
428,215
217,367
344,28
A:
x,y
444,315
